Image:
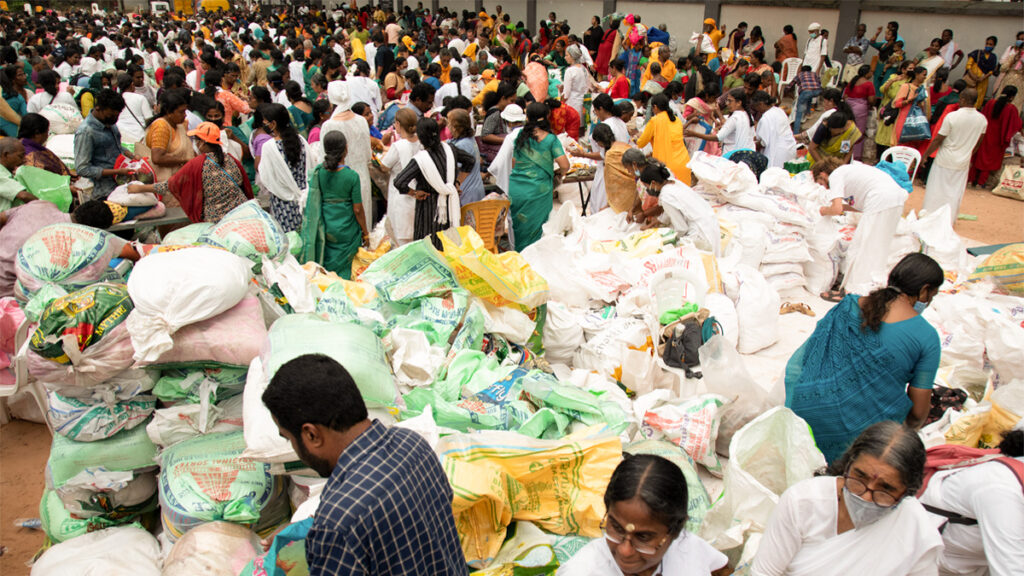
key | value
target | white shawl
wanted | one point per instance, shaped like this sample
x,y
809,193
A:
x,y
445,187
276,177
501,166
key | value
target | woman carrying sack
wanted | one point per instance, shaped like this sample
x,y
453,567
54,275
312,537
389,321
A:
x,y
911,127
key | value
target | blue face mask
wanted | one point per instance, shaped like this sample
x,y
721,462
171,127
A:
x,y
1019,43
989,48
919,306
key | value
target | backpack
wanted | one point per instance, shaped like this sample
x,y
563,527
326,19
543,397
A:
x,y
951,456
684,338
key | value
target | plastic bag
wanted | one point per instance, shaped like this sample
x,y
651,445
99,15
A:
x,y
174,289
563,334
120,551
692,425
364,258
499,279
286,555
249,232
231,338
206,479
214,549
768,455
62,258
89,420
141,170
499,477
726,375
46,185
411,272
757,309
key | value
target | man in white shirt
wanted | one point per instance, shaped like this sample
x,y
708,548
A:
x,y
879,199
456,42
773,130
472,83
816,49
956,142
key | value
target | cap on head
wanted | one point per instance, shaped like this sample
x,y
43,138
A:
x,y
207,132
814,27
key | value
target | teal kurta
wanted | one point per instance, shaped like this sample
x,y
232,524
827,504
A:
x,y
331,234
531,188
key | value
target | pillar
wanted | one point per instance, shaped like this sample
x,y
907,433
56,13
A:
x,y
531,16
713,9
610,6
849,19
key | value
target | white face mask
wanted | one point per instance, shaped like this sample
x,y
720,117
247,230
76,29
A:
x,y
862,512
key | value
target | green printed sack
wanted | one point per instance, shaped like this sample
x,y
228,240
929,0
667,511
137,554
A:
x,y
80,319
59,525
45,185
192,385
248,231
92,419
188,235
700,501
411,272
125,451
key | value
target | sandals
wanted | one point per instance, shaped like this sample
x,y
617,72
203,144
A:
x,y
833,295
796,307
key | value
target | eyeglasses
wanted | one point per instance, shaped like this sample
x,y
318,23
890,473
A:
x,y
879,497
615,535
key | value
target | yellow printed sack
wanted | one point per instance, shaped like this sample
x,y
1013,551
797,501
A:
x,y
1005,267
498,477
364,258
500,279
360,293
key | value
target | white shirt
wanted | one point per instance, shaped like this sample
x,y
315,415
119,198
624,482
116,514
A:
x,y
91,66
992,495
43,99
816,48
773,130
446,90
688,555
133,128
192,80
471,87
865,188
362,89
458,44
371,57
339,51
66,71
962,129
619,128
574,86
948,51
413,63
814,127
802,539
295,72
736,133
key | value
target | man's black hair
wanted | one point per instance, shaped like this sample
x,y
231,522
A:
x,y
94,213
314,389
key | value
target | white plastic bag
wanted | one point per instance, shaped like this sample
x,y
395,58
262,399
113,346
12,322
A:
x,y
563,334
175,289
214,549
121,551
186,421
770,454
121,196
757,308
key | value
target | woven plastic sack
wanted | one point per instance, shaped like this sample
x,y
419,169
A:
x,y
93,367
231,338
1011,183
499,477
1005,267
126,451
364,258
186,236
411,272
59,525
97,492
174,289
700,501
186,421
691,425
214,549
195,384
527,552
206,479
72,323
248,231
500,279
63,118
95,419
62,258
45,185
119,551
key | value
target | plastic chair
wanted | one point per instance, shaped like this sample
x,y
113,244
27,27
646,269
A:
x,y
484,217
834,81
22,380
903,154
790,68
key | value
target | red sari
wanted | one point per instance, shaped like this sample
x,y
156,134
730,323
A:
x,y
604,52
619,88
997,137
565,119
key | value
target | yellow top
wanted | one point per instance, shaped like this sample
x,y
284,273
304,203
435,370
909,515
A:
x,y
491,86
668,71
666,138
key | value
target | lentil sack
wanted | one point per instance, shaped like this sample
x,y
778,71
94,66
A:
x,y
354,347
193,385
207,479
186,236
1004,267
81,339
249,232
86,420
214,549
171,290
59,525
120,551
231,338
60,258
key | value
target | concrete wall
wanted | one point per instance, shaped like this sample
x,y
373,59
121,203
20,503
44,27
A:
x,y
771,19
968,31
577,12
458,5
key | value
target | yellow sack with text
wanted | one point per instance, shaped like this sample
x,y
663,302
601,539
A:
x,y
365,257
500,279
498,477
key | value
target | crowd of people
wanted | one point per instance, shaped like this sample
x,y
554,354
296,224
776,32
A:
x,y
340,118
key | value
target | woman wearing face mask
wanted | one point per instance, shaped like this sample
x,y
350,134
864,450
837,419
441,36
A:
x,y
860,518
167,136
680,208
870,359
644,535
1012,69
982,65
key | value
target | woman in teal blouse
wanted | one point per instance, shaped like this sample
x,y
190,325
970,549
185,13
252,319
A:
x,y
533,180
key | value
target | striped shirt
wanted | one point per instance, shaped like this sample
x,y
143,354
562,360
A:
x,y
386,510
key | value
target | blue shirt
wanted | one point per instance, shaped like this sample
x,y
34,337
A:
x,y
97,147
386,510
472,186
20,107
433,82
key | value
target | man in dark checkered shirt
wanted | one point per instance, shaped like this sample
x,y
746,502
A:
x,y
387,505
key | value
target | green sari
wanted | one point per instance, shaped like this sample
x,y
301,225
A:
x,y
531,188
331,235
307,78
300,119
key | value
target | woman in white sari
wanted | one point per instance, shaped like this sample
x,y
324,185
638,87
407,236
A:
x,y
357,134
284,167
862,518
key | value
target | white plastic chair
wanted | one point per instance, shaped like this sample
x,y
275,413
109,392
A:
x,y
22,380
790,68
906,155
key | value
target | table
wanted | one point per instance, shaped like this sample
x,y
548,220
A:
x,y
579,180
173,216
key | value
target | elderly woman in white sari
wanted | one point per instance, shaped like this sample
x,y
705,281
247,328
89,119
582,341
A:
x,y
357,134
861,518
285,167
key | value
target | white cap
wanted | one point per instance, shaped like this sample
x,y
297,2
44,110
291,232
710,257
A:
x,y
337,93
814,26
513,113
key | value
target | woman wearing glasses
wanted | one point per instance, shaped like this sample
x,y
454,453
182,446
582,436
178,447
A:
x,y
861,518
646,502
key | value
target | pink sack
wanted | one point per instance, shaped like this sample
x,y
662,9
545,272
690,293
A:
x,y
89,368
233,337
